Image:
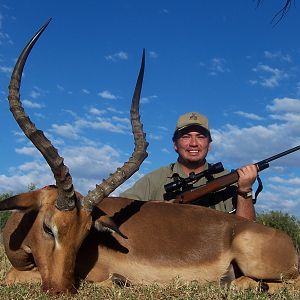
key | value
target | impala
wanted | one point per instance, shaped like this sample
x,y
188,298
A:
x,y
57,236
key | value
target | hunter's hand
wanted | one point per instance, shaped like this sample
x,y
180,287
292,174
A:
x,y
247,176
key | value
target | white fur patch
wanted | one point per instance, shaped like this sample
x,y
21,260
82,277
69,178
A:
x,y
55,233
26,249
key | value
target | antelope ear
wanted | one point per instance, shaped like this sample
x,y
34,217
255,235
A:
x,y
106,223
23,201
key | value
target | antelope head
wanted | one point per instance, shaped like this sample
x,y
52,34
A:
x,y
59,217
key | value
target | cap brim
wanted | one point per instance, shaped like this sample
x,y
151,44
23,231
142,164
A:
x,y
191,127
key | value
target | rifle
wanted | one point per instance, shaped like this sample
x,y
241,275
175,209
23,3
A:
x,y
225,180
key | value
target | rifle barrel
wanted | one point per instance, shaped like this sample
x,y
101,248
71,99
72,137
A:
x,y
263,164
283,153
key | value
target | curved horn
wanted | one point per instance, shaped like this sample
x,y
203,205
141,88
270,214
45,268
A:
x,y
66,193
139,154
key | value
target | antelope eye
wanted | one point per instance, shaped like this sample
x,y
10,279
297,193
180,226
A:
x,y
47,229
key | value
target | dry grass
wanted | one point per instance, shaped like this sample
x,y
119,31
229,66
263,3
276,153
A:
x,y
175,290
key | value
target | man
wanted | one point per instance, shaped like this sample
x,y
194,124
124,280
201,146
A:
x,y
192,141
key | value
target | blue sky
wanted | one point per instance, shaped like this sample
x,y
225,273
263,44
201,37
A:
x,y
221,58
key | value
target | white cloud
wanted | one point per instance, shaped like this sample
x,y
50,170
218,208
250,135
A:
x,y
155,137
153,54
4,37
19,183
96,111
285,109
291,181
110,126
33,166
30,104
30,151
6,70
39,115
121,120
272,78
277,200
107,95
217,66
113,110
148,99
250,116
20,136
165,150
34,94
91,162
66,130
298,87
88,166
238,144
121,55
70,112
164,11
283,105
277,55
107,124
253,81
61,88
290,117
163,128
85,91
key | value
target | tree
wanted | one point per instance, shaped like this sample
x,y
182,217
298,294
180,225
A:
x,y
282,12
283,221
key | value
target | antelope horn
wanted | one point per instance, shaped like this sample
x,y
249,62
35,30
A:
x,y
66,193
139,154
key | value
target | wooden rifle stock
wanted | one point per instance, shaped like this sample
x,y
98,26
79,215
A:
x,y
212,186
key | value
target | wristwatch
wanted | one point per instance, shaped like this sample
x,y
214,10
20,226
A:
x,y
245,194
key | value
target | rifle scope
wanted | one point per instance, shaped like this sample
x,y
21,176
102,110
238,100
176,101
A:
x,y
180,182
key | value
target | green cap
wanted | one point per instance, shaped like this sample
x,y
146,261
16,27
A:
x,y
191,119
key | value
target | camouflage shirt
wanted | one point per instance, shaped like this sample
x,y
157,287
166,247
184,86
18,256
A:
x,y
151,187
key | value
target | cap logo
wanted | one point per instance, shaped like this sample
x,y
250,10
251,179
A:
x,y
193,117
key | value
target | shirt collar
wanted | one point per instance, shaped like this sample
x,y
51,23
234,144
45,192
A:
x,y
178,169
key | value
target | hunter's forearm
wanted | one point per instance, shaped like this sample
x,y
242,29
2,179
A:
x,y
245,208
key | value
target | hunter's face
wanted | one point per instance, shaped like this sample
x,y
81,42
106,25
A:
x,y
192,147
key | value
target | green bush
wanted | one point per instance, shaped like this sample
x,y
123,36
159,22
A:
x,y
283,221
4,215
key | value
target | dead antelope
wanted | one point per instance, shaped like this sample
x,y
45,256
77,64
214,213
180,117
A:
x,y
58,236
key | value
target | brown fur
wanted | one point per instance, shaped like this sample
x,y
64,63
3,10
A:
x,y
164,240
